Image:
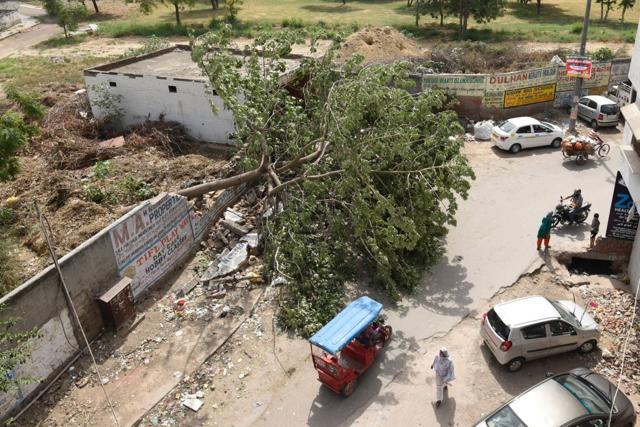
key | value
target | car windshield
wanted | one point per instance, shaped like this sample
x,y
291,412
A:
x,y
564,313
506,126
587,397
505,417
498,325
609,109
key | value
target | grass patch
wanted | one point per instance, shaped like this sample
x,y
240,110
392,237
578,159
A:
x,y
147,29
61,41
30,72
8,271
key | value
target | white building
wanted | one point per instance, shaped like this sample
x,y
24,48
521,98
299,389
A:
x,y
165,85
630,168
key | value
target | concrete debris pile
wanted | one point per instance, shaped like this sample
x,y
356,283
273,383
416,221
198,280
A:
x,y
612,309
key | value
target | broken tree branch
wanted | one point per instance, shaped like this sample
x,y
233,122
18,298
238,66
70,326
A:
x,y
301,178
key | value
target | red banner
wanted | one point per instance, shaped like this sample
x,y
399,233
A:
x,y
579,68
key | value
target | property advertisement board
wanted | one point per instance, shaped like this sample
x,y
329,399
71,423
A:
x,y
457,84
600,72
529,95
149,241
620,226
501,88
578,68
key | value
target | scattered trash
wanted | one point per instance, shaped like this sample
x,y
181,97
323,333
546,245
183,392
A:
x,y
193,403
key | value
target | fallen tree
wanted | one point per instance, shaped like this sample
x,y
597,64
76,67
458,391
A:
x,y
362,176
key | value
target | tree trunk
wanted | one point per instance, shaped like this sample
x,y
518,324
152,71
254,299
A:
x,y
602,10
441,13
177,14
624,9
214,6
538,7
417,13
66,33
606,12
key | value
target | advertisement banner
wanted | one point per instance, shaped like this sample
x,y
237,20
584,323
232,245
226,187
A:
x,y
619,71
498,84
578,68
600,72
621,203
529,95
149,241
458,84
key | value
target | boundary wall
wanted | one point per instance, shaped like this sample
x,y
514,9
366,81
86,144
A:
x,y
503,95
146,244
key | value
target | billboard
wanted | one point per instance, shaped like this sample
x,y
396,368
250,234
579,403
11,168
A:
x,y
458,84
148,242
600,72
502,88
620,226
578,68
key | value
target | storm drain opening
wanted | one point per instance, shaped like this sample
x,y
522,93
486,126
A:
x,y
590,266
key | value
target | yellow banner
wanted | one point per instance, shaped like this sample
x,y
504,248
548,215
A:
x,y
529,95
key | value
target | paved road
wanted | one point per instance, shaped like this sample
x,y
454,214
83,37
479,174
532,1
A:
x,y
13,45
492,245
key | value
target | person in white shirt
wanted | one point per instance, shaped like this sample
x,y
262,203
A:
x,y
443,367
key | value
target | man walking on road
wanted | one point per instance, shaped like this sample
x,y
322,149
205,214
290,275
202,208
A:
x,y
595,228
443,367
544,232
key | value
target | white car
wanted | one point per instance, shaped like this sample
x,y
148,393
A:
x,y
526,132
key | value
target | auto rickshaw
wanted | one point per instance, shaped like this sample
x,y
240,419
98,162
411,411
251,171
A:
x,y
346,346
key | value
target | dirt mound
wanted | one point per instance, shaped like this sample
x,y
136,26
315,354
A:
x,y
379,44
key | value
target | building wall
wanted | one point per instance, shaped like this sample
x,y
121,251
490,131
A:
x,y
634,69
144,98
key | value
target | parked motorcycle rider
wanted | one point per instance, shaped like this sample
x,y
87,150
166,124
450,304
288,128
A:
x,y
576,199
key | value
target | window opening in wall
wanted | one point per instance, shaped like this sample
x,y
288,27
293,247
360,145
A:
x,y
112,84
173,89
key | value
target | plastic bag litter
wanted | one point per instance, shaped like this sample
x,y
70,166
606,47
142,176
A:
x,y
482,130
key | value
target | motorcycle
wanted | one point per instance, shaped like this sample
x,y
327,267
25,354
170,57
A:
x,y
566,215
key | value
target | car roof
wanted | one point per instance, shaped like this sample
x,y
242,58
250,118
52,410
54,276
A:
x,y
599,99
523,121
523,311
547,404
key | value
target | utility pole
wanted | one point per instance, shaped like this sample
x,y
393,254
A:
x,y
583,48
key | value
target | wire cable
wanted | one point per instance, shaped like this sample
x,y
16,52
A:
x,y
624,353
41,220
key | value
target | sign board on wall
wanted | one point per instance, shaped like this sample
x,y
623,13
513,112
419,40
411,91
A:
x,y
578,68
619,70
504,85
458,84
149,241
600,72
621,203
529,95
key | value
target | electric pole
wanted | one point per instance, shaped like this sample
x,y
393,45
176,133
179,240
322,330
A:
x,y
583,48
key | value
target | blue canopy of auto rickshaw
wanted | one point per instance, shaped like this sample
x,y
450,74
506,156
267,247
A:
x,y
347,324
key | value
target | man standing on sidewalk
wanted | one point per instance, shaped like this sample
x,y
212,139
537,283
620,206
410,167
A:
x,y
544,232
443,367
595,228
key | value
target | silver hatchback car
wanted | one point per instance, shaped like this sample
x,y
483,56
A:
x,y
534,327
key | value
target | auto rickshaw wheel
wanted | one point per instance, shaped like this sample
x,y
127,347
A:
x,y
348,388
388,332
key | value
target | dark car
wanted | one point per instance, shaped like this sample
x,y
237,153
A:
x,y
579,398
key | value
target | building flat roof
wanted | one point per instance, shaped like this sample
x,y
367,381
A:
x,y
174,62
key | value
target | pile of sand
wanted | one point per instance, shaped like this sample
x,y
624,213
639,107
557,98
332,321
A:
x,y
379,44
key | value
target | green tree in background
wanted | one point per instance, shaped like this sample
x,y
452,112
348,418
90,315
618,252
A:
x,y
68,12
146,6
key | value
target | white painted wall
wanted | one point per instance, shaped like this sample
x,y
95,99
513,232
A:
x,y
48,353
148,98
